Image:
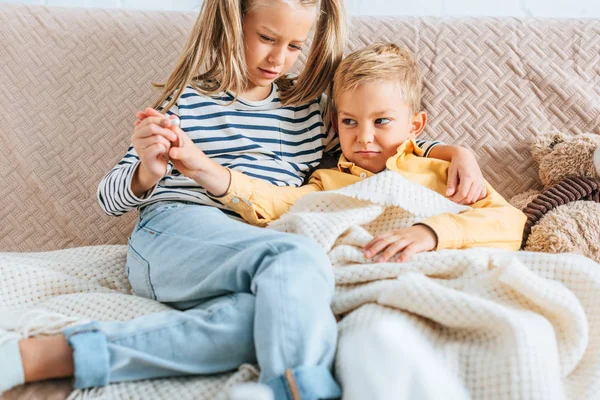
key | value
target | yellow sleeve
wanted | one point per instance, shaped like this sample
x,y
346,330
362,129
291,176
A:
x,y
260,202
491,222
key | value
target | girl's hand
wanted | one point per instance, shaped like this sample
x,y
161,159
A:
x,y
192,162
407,241
189,159
465,181
152,141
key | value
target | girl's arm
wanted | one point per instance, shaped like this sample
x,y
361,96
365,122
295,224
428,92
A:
x,y
257,201
465,180
133,180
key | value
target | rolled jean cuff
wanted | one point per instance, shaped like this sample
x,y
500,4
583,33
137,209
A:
x,y
306,383
90,355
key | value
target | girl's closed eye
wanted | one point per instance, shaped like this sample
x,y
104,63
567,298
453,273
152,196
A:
x,y
267,39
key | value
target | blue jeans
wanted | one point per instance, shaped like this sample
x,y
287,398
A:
x,y
240,294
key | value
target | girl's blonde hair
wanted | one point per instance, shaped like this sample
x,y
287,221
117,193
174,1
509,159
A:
x,y
379,62
213,59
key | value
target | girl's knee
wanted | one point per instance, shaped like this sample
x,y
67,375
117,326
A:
x,y
305,254
305,247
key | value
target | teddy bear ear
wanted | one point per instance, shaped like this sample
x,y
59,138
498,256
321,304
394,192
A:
x,y
544,144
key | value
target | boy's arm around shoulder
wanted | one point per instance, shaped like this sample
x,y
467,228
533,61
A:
x,y
491,222
260,202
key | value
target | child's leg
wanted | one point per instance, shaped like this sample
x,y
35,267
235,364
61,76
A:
x,y
214,336
241,288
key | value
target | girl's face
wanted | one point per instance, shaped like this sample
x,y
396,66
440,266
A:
x,y
274,34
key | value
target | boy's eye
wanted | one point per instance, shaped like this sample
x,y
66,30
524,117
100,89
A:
x,y
266,38
348,121
382,121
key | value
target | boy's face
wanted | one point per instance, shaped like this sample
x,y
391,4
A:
x,y
372,121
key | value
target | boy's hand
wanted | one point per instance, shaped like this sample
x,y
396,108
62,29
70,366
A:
x,y
465,181
407,241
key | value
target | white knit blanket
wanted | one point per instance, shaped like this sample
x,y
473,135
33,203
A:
x,y
509,325
40,293
512,326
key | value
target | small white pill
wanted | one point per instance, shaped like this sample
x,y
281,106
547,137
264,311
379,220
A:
x,y
170,122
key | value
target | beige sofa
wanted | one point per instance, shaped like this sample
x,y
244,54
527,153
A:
x,y
72,79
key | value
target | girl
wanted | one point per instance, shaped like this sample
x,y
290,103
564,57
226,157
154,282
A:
x,y
240,294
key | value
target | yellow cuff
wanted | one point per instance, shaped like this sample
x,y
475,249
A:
x,y
449,234
236,197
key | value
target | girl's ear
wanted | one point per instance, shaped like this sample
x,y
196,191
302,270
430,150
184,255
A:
x,y
417,124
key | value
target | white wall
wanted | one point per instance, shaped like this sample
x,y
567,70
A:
x,y
520,8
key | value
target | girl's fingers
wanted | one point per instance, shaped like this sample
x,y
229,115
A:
x,y
170,122
165,121
461,195
176,153
469,197
177,141
183,139
156,150
482,193
144,131
452,181
142,115
476,193
152,120
145,143
152,111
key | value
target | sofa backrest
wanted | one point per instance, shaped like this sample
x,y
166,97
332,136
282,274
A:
x,y
72,79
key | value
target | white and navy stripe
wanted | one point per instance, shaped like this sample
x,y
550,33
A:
x,y
426,146
262,139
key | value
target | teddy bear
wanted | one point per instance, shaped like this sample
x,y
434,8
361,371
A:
x,y
565,216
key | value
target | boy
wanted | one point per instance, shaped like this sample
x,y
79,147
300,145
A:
x,y
376,99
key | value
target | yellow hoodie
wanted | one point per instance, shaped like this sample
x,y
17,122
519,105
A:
x,y
491,222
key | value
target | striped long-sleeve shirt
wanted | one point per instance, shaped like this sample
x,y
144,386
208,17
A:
x,y
262,139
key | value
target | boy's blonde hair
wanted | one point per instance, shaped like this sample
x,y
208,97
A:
x,y
213,59
379,62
